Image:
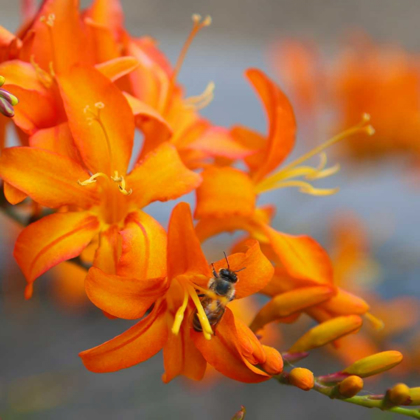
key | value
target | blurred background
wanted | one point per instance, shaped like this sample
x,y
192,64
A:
x,y
371,227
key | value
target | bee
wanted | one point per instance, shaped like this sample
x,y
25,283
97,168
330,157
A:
x,y
223,285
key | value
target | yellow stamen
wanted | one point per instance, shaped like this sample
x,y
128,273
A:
x,y
205,325
201,101
198,24
292,170
179,317
92,179
115,178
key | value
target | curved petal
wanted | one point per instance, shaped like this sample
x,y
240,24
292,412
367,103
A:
x,y
53,239
301,256
161,177
282,123
123,297
181,357
103,45
345,303
106,143
57,139
256,270
117,67
22,74
184,250
143,247
12,194
223,354
137,344
108,13
217,141
225,191
48,178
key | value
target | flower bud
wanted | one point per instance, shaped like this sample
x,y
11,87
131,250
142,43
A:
x,y
399,394
273,364
302,378
377,363
326,332
240,415
350,386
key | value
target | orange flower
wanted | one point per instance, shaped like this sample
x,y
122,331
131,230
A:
x,y
230,346
100,143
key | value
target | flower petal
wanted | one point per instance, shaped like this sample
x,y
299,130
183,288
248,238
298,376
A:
x,y
345,303
48,178
161,177
108,13
223,354
53,239
123,297
184,250
225,191
12,194
137,344
117,67
256,270
143,247
57,139
282,123
301,256
104,145
181,357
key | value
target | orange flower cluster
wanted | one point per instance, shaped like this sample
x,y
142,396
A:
x,y
85,86
361,78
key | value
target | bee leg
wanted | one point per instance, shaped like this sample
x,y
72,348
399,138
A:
x,y
201,295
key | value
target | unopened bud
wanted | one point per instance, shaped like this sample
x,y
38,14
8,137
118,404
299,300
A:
x,y
350,386
399,394
302,378
240,415
377,363
326,332
273,364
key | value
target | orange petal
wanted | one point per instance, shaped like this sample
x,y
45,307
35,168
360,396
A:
x,y
181,357
12,194
108,13
217,141
57,139
223,354
108,251
143,247
161,177
327,332
53,239
274,362
289,303
225,191
257,269
22,74
137,344
123,297
184,250
105,146
48,178
63,43
282,123
117,67
301,256
103,45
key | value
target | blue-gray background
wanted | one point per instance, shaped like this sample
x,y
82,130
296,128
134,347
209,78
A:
x,y
41,376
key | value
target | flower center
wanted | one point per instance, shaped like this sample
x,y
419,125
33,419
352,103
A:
x,y
286,177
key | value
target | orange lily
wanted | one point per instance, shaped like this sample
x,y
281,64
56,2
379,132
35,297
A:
x,y
230,347
109,201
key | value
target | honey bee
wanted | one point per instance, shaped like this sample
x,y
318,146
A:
x,y
223,285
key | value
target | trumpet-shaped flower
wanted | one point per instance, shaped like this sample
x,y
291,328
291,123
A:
x,y
86,178
231,347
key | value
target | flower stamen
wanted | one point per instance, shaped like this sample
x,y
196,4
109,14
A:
x,y
205,324
44,77
116,178
292,170
179,317
201,101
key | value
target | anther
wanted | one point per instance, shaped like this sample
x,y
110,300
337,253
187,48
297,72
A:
x,y
201,101
45,78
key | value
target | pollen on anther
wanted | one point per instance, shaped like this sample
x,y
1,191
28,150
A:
x,y
100,105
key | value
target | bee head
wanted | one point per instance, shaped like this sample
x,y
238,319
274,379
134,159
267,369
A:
x,y
228,275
